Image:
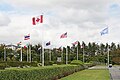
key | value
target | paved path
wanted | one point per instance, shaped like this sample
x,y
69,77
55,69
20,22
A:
x,y
115,73
98,67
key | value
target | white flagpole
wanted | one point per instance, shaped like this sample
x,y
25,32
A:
x,y
77,52
21,55
50,54
43,47
42,55
83,55
66,55
4,53
39,49
62,55
27,53
108,56
30,52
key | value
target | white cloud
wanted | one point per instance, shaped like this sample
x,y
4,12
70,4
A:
x,y
82,19
4,20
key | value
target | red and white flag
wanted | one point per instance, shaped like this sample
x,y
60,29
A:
x,y
36,20
19,43
27,37
64,35
76,42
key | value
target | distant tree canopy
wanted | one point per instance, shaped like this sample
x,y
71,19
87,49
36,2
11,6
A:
x,y
93,52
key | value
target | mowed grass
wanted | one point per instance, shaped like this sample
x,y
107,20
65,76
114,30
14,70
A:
x,y
102,74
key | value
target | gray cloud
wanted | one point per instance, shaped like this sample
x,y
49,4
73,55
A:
x,y
4,20
82,19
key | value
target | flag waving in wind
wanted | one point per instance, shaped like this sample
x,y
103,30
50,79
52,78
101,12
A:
x,y
48,43
76,42
27,37
19,43
36,20
104,31
64,35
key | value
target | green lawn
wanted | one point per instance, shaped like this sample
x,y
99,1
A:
x,y
89,75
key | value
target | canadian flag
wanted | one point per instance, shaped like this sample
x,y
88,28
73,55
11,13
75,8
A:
x,y
36,20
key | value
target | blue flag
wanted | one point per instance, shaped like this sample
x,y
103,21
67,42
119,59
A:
x,y
104,31
47,44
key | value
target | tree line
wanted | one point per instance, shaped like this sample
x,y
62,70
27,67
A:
x,y
92,52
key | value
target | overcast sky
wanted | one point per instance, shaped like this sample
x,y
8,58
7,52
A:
x,y
83,20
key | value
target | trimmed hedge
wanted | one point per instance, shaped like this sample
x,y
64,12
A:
x,y
52,73
77,62
2,66
48,63
17,64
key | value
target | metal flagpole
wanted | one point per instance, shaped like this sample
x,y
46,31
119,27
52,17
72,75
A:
x,y
27,53
66,55
21,55
77,52
43,48
65,36
4,53
40,54
43,55
39,49
30,52
62,55
83,55
50,54
36,20
108,56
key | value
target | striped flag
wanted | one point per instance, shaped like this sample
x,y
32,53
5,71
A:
x,y
19,43
36,20
104,31
76,42
27,37
64,35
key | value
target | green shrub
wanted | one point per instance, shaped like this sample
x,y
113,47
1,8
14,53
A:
x,y
90,64
2,66
59,63
48,63
77,62
52,73
18,64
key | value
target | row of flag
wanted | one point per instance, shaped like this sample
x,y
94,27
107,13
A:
x,y
39,19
